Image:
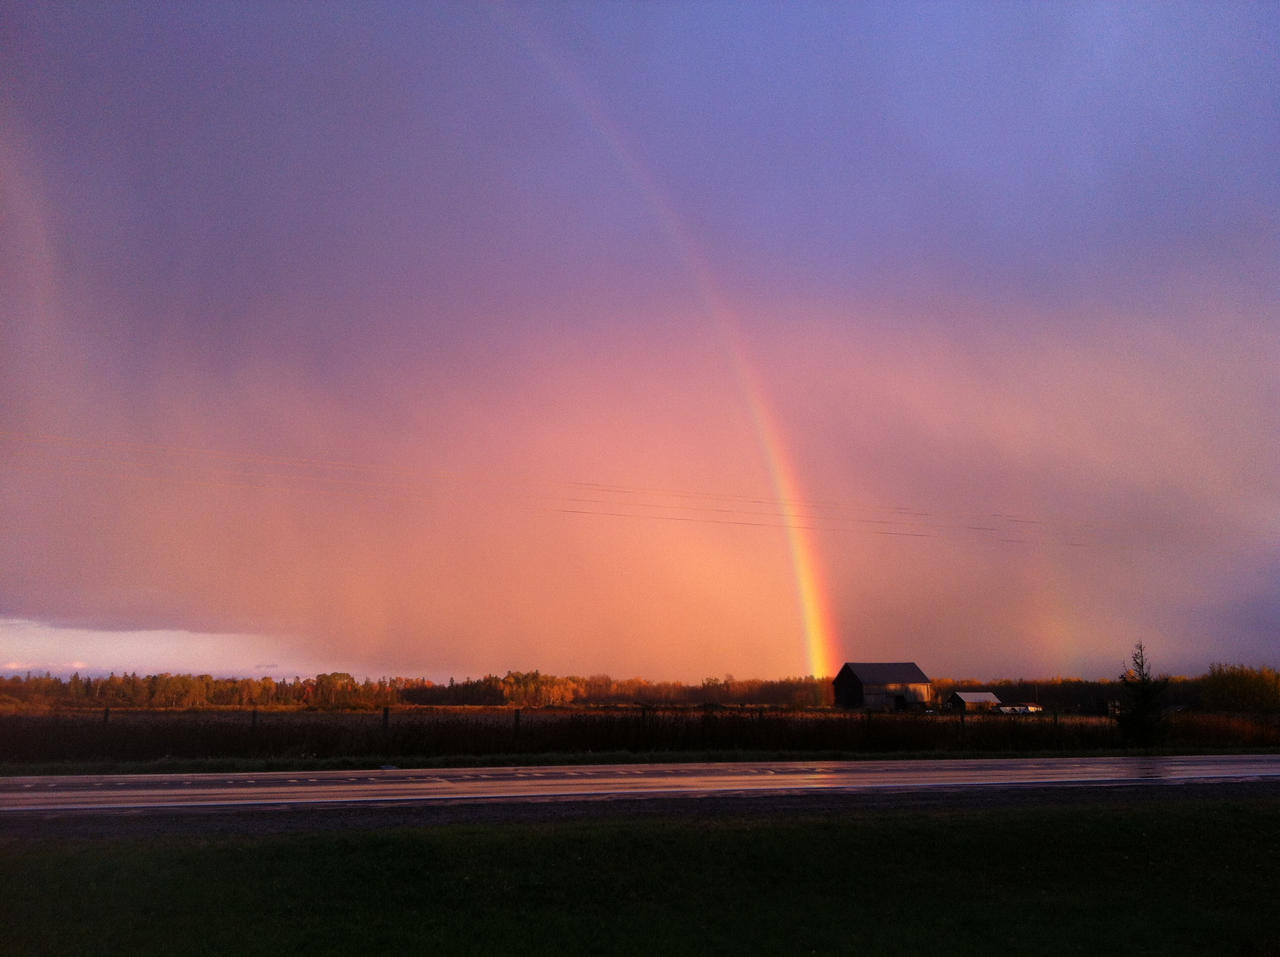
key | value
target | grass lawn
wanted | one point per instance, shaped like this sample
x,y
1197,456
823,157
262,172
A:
x,y
1188,877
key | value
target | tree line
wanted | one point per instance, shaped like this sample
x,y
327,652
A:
x,y
1225,688
342,691
532,689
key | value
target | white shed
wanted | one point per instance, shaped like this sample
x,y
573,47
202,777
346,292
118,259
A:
x,y
972,701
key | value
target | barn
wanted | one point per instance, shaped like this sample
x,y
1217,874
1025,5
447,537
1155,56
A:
x,y
882,686
972,701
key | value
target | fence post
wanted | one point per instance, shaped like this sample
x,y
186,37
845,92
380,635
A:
x,y
106,715
386,717
516,727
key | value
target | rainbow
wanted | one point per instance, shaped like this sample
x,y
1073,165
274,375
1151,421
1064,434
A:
x,y
821,647
819,633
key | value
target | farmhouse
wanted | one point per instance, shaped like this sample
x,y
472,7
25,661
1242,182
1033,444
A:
x,y
882,686
972,701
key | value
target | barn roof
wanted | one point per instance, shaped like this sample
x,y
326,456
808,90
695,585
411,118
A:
x,y
977,697
887,672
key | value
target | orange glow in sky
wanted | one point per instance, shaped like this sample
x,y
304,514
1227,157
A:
x,y
641,340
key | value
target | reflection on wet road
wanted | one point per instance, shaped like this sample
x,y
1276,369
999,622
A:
x,y
393,786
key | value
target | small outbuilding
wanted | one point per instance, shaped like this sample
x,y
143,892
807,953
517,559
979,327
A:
x,y
971,701
883,686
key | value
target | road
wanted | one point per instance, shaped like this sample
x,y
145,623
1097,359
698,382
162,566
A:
x,y
396,787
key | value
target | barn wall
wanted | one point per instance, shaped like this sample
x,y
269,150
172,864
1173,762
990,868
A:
x,y
849,691
884,697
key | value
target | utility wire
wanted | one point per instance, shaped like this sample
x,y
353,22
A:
x,y
309,474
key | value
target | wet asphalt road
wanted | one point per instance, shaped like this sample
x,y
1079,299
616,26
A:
x,y
388,787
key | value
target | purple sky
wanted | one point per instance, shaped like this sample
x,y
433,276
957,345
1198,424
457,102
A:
x,y
653,339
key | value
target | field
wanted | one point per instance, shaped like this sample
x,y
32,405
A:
x,y
1189,876
1188,872
130,739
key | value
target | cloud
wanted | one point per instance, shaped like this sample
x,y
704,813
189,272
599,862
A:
x,y
1041,501
411,362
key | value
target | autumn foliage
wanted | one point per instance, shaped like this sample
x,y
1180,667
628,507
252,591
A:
x,y
340,691
1226,688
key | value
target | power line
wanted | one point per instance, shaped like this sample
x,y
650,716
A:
x,y
310,474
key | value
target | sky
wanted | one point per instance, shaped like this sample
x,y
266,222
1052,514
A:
x,y
664,339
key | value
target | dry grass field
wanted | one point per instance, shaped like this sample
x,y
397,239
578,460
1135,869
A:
x,y
137,739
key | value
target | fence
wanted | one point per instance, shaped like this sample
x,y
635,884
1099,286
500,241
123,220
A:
x,y
426,733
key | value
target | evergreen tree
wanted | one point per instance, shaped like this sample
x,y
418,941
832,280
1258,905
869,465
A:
x,y
1142,720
